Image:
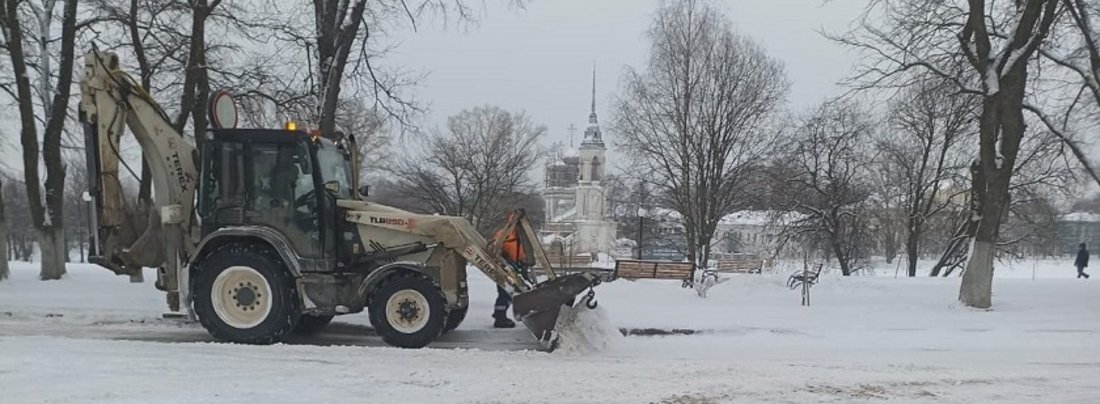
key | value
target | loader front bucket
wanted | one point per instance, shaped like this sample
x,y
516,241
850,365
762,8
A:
x,y
539,307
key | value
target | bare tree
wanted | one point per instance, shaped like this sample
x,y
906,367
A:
x,y
479,168
343,42
885,207
46,208
76,231
1075,48
1041,172
828,183
928,123
996,43
369,126
196,81
20,227
696,116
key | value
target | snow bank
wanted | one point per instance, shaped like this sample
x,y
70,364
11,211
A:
x,y
583,331
870,337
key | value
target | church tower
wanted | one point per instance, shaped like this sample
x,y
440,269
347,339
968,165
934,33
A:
x,y
576,201
591,200
593,162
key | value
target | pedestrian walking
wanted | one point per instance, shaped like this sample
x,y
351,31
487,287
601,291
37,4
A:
x,y
1082,262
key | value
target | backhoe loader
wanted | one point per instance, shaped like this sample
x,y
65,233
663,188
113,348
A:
x,y
264,232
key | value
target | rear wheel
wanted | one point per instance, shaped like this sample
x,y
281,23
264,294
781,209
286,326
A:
x,y
243,293
310,324
408,310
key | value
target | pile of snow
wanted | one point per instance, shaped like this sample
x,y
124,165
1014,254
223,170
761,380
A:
x,y
583,331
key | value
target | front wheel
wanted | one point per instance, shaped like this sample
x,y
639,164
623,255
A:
x,y
408,310
243,293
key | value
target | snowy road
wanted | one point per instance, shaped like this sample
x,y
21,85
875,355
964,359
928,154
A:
x,y
159,330
866,339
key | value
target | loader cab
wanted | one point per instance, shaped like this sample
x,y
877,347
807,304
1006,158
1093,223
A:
x,y
283,180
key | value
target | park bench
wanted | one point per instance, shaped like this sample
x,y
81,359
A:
x,y
805,279
637,269
748,265
744,265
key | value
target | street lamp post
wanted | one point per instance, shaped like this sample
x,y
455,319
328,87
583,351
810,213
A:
x,y
641,222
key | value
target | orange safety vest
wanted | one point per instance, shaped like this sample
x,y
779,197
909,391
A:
x,y
511,248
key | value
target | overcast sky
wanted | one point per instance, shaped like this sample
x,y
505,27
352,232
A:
x,y
540,59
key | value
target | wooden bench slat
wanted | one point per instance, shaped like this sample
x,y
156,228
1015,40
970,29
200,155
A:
x,y
740,265
633,269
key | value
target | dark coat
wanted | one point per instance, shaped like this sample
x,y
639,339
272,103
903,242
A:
x,y
1082,258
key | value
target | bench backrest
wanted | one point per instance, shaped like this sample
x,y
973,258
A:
x,y
635,269
742,265
816,270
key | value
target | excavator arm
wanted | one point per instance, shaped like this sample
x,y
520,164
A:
x,y
111,101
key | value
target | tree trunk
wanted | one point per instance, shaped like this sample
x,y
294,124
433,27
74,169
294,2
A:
x,y
51,243
912,247
890,245
46,208
1002,129
196,72
337,27
977,281
3,237
841,259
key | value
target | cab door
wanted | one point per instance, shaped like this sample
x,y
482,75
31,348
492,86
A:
x,y
283,194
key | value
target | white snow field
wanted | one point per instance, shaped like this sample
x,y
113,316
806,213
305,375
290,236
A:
x,y
95,338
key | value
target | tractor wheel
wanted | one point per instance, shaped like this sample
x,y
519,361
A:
x,y
310,324
454,318
408,310
243,293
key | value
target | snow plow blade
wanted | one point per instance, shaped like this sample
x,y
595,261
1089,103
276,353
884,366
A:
x,y
539,308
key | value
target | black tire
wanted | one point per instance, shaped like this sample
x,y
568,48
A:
x,y
310,324
415,292
273,323
454,318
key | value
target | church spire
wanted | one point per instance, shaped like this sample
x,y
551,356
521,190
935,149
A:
x,y
592,132
592,115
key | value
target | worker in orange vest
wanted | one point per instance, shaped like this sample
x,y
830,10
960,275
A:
x,y
512,250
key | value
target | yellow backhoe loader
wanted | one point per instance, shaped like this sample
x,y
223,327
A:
x,y
263,232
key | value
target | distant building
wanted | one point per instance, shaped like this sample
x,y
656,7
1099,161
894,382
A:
x,y
1076,228
740,233
576,201
745,232
750,232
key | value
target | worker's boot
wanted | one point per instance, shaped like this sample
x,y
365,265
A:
x,y
502,321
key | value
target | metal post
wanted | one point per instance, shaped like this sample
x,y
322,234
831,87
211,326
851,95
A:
x,y
640,224
805,292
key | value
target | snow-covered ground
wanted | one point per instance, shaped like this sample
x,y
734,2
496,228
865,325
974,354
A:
x,y
93,337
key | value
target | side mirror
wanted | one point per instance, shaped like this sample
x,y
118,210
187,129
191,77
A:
x,y
364,190
332,186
